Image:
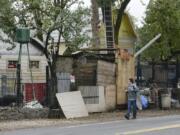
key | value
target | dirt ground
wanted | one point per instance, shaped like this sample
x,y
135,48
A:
x,y
96,117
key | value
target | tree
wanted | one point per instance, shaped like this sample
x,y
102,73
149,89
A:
x,y
94,23
44,17
162,16
7,21
120,6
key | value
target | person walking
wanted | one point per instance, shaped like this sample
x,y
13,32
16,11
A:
x,y
132,95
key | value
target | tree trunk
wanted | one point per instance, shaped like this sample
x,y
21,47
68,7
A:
x,y
119,19
52,69
53,85
94,23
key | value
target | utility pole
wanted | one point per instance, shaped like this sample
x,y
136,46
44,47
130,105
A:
x,y
147,45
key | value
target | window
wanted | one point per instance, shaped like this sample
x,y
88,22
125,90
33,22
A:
x,y
34,64
12,64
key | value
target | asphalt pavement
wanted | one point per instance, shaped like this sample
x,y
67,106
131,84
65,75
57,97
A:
x,y
167,125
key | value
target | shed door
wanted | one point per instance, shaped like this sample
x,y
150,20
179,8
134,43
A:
x,y
64,82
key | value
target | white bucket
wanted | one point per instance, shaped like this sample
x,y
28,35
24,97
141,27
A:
x,y
166,101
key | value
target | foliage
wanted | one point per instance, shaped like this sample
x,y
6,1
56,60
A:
x,y
162,16
44,17
7,20
65,17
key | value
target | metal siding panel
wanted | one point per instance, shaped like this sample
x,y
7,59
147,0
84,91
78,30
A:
x,y
64,82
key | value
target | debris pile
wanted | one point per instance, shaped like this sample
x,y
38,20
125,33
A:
x,y
9,113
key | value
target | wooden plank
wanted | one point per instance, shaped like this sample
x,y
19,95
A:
x,y
105,73
88,65
72,104
106,69
104,78
105,63
108,73
105,83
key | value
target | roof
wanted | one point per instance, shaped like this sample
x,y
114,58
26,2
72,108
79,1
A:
x,y
37,43
131,22
127,26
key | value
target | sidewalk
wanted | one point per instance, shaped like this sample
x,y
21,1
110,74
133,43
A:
x,y
93,118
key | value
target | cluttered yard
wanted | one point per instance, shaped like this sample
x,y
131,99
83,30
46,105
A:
x,y
54,78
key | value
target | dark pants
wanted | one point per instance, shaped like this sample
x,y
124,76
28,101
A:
x,y
131,106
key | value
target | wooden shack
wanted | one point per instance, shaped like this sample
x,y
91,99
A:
x,y
89,69
94,69
94,76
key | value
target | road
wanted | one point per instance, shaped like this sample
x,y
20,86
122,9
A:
x,y
167,125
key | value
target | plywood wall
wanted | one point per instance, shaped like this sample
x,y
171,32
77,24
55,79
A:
x,y
105,73
125,70
85,74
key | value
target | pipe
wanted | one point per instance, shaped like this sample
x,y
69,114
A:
x,y
147,45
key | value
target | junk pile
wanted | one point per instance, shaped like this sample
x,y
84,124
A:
x,y
159,97
31,110
33,105
13,113
143,98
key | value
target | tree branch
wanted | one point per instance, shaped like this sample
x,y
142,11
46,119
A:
x,y
119,19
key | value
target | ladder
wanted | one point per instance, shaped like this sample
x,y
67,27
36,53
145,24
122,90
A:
x,y
109,26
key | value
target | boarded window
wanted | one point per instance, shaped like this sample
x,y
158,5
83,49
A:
x,y
12,64
34,64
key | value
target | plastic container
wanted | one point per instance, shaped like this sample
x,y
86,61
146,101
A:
x,y
166,101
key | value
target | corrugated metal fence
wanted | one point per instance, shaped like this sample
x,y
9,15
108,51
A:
x,y
64,82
